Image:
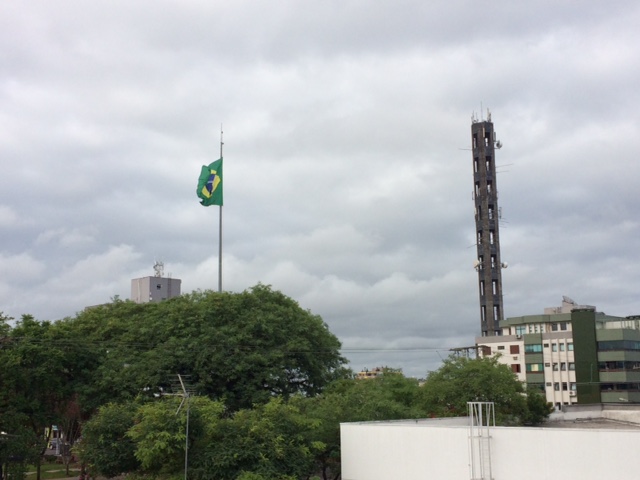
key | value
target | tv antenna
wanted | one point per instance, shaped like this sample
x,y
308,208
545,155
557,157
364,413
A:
x,y
185,392
158,269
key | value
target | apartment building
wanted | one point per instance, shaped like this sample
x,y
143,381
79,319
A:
x,y
572,353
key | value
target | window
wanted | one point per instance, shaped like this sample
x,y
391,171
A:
x,y
554,347
565,386
548,384
547,364
562,347
533,348
570,346
158,287
572,366
546,345
613,345
563,325
556,387
515,367
554,327
521,330
535,367
563,366
501,347
514,349
555,367
573,386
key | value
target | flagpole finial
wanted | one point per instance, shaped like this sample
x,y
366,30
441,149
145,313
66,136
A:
x,y
221,141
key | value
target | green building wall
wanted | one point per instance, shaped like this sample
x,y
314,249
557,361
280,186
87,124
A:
x,y
585,351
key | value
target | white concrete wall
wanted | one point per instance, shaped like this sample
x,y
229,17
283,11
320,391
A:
x,y
415,451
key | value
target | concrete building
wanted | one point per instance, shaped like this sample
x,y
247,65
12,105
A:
x,y
446,449
572,353
156,288
487,213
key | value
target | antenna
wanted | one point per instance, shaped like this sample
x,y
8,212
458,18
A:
x,y
158,268
185,392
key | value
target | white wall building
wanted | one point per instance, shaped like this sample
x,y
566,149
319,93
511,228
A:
x,y
440,449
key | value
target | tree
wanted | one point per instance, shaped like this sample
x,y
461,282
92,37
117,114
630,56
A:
x,y
243,348
159,432
391,396
105,447
270,441
461,380
38,377
538,409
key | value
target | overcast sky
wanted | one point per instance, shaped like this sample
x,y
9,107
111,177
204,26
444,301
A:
x,y
348,178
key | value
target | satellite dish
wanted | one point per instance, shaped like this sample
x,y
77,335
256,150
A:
x,y
498,144
476,264
504,264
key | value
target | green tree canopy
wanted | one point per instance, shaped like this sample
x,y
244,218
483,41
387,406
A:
x,y
242,348
105,448
271,441
391,396
460,380
40,373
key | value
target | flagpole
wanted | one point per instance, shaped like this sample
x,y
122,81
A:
x,y
220,230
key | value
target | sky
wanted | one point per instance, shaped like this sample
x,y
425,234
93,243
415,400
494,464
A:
x,y
347,173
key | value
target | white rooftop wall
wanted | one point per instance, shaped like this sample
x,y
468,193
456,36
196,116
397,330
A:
x,y
415,451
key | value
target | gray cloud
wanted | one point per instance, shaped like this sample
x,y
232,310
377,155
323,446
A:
x,y
347,182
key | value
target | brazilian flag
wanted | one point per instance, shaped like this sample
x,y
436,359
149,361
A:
x,y
210,184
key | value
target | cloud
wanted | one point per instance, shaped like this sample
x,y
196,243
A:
x,y
347,176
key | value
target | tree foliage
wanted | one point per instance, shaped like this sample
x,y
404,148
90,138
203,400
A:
x,y
391,396
105,447
269,441
40,373
242,348
159,432
460,380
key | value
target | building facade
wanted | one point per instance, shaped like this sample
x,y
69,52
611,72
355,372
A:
x,y
572,353
156,288
485,196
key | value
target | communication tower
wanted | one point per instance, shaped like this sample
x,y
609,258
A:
x,y
485,196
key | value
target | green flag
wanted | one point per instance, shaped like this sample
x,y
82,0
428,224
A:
x,y
210,184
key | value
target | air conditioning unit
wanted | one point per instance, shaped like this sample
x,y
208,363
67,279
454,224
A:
x,y
572,393
518,337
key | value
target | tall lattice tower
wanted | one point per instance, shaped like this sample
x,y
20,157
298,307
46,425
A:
x,y
487,213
